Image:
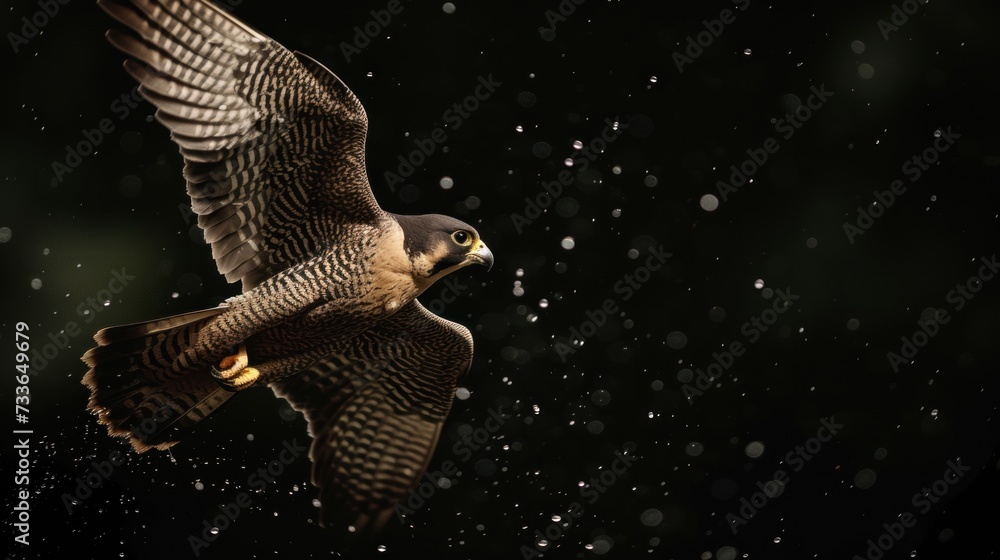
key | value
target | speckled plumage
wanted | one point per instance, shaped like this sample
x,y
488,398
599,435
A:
x,y
273,145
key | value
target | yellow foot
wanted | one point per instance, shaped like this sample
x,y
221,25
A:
x,y
231,365
235,375
245,379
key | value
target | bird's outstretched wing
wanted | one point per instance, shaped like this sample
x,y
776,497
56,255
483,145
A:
x,y
273,142
375,413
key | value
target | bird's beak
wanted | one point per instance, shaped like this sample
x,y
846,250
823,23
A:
x,y
481,254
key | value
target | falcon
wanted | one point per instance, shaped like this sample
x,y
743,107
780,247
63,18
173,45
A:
x,y
274,160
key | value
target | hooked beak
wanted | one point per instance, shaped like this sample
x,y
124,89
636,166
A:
x,y
481,254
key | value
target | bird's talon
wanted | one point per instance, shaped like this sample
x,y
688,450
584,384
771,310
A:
x,y
231,366
232,372
245,379
227,362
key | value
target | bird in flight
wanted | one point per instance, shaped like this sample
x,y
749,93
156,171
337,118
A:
x,y
274,159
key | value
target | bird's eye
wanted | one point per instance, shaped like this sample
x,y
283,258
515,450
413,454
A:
x,y
461,237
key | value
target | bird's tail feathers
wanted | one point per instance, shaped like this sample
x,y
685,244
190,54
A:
x,y
134,389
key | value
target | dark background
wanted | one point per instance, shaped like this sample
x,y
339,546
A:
x,y
122,207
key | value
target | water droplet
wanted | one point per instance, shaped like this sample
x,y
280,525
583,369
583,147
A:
x,y
857,47
543,303
448,8
462,393
709,203
747,52
651,517
758,283
600,397
577,145
676,340
652,79
447,182
36,283
567,243
865,479
616,213
726,553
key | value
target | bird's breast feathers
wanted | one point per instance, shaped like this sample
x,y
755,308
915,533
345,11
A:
x,y
392,279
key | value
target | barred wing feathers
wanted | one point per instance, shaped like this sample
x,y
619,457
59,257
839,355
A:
x,y
375,413
273,142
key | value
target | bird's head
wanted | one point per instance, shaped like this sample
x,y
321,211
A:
x,y
438,245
